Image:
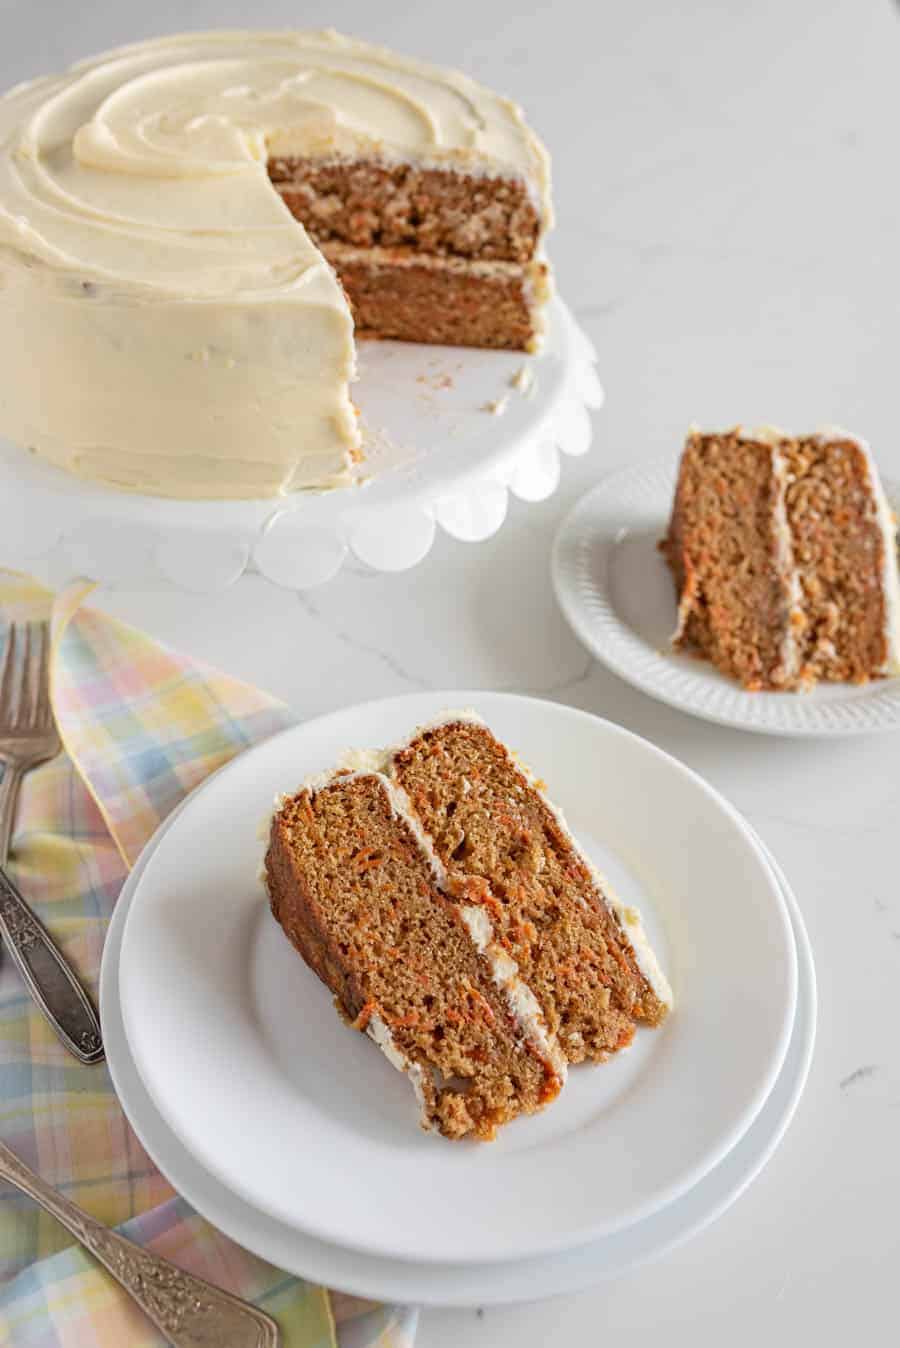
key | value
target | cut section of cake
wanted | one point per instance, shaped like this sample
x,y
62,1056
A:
x,y
358,889
784,555
508,852
443,249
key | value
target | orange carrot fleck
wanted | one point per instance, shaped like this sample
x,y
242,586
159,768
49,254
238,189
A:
x,y
364,1016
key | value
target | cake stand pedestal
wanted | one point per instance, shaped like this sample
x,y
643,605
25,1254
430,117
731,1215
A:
x,y
449,433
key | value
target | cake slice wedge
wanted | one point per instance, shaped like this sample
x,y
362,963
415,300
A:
x,y
783,550
508,852
357,888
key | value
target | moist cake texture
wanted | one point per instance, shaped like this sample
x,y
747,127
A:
x,y
440,255
217,214
441,898
358,895
508,851
783,551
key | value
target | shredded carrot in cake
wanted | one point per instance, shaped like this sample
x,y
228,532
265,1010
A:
x,y
364,1017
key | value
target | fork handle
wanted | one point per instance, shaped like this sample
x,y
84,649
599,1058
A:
x,y
48,977
9,796
191,1313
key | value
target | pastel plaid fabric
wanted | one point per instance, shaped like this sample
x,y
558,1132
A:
x,y
141,726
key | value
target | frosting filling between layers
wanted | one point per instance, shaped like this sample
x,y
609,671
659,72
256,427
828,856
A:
x,y
522,1003
787,571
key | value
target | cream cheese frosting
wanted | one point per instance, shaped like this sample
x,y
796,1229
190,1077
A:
x,y
165,324
523,1005
784,560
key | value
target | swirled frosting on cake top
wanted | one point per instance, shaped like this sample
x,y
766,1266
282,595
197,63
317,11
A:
x,y
165,323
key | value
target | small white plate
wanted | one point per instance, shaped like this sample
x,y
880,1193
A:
x,y
456,1285
243,1055
616,591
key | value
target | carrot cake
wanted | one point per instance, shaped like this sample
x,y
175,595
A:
x,y
214,215
362,896
784,555
440,896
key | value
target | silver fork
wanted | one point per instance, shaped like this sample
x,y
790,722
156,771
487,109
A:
x,y
28,737
190,1313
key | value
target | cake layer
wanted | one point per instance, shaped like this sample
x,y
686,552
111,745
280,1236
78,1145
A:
x,y
727,548
356,889
436,211
400,294
783,551
844,557
508,851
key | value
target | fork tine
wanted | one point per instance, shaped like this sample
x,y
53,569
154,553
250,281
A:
x,y
7,676
28,683
34,674
45,706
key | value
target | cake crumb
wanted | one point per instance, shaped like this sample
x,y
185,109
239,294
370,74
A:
x,y
859,1075
523,380
435,381
496,406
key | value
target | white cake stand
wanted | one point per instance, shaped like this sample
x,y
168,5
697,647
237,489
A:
x,y
436,456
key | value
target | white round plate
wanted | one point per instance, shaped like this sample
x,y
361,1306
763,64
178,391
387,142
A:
x,y
435,457
456,1285
617,593
241,1050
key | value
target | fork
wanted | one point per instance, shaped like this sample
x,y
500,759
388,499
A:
x,y
190,1313
28,737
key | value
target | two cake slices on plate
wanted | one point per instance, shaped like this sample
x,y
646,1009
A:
x,y
439,895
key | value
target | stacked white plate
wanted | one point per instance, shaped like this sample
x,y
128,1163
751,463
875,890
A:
x,y
300,1141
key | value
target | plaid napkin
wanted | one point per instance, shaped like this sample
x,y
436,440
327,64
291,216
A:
x,y
141,726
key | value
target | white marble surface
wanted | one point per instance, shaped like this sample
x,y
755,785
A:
x,y
726,179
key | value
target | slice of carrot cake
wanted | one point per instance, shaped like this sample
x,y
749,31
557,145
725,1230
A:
x,y
358,889
508,851
784,555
